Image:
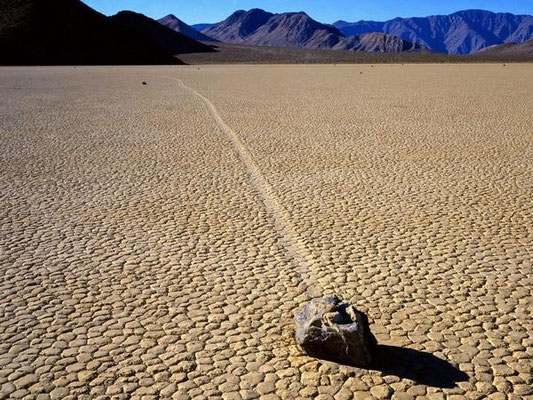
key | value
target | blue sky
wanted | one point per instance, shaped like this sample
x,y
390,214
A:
x,y
196,11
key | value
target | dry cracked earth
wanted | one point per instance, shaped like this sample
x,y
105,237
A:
x,y
155,243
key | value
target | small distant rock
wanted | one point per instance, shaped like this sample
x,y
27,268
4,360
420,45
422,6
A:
x,y
144,83
330,329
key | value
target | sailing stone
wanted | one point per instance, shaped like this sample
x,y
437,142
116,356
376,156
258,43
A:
x,y
329,329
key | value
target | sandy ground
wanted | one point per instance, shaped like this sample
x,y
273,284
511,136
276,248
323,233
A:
x,y
157,239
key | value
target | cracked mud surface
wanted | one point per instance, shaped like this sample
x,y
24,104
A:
x,y
143,256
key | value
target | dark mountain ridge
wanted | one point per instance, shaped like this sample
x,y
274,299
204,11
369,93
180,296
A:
x,y
166,39
58,32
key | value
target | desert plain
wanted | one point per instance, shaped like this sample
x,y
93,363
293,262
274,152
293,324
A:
x,y
156,239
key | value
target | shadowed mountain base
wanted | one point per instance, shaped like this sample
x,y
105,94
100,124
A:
x,y
244,54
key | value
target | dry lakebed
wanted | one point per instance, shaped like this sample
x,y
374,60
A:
x,y
156,239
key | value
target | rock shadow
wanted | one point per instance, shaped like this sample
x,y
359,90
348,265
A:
x,y
421,367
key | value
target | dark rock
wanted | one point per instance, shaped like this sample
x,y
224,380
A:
x,y
330,329
144,83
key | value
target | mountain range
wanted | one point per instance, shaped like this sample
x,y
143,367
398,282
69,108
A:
x,y
38,32
262,28
69,32
463,32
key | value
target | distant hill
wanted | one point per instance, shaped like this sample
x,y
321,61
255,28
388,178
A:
x,y
174,23
509,49
239,26
377,42
36,32
258,27
201,27
463,32
166,39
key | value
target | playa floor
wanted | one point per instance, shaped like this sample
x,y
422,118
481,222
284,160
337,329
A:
x,y
156,239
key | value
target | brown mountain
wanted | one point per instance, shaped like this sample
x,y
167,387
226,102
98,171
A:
x,y
69,32
238,26
174,23
258,27
377,42
509,49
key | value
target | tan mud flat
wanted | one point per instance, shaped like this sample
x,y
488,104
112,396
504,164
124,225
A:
x,y
148,252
